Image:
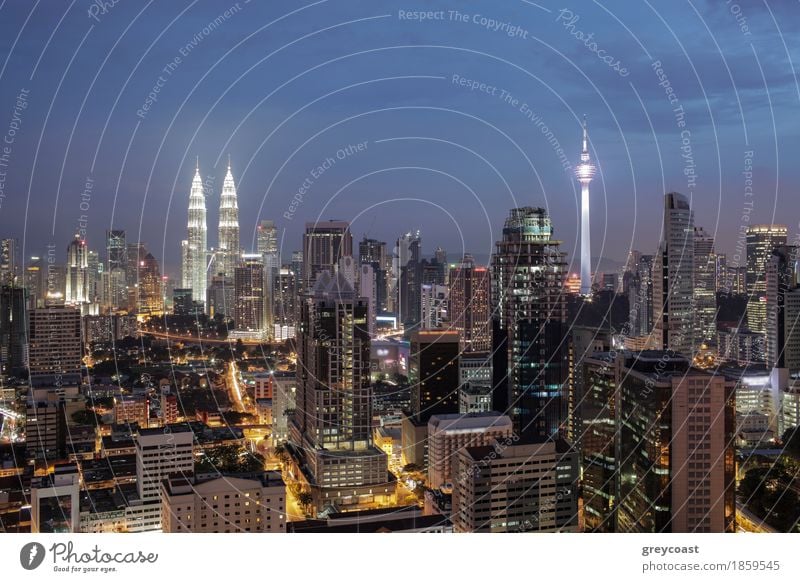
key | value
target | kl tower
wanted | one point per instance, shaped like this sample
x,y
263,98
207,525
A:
x,y
585,172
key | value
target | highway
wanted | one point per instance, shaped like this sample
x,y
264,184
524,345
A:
x,y
234,388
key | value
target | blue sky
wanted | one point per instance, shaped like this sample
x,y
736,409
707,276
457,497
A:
x,y
283,86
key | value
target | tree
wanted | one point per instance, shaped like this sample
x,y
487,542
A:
x,y
791,442
305,499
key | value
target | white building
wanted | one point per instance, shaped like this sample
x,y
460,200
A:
x,y
231,504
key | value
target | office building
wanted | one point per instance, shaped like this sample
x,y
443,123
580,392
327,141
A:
x,y
331,430
705,287
407,266
782,299
10,268
228,504
150,289
373,252
195,248
762,240
324,243
77,283
528,273
470,305
673,275
228,247
676,447
221,297
507,487
13,329
54,349
249,294
449,433
434,373
434,306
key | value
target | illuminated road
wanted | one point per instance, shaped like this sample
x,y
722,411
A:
x,y
235,390
747,522
205,340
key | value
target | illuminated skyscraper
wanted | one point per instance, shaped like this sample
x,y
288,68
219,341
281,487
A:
x,y
117,293
331,430
249,294
324,243
267,241
585,171
673,274
77,289
470,313
229,250
149,291
762,239
196,248
705,287
528,273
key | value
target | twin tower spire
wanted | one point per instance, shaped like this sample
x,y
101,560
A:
x,y
195,252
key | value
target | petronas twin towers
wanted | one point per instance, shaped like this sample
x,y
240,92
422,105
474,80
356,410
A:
x,y
195,251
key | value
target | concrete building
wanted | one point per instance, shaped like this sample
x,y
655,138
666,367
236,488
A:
x,y
449,433
229,504
474,398
54,350
434,373
55,506
470,305
675,447
160,453
506,487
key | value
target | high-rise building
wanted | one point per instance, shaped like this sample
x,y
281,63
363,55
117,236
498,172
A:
x,y
528,272
434,373
408,274
77,288
705,287
507,487
13,329
267,243
9,261
331,430
781,298
449,433
249,294
598,438
195,251
150,289
285,302
675,447
433,312
673,273
229,248
160,453
182,302
585,171
324,243
373,253
221,297
117,252
54,349
762,239
470,309
640,297
226,504
35,282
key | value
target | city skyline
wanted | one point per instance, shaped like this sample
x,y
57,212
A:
x,y
720,141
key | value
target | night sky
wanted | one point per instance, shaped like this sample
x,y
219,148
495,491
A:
x,y
283,86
